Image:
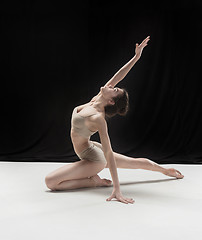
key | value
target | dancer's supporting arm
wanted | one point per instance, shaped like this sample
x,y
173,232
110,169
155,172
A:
x,y
108,153
126,68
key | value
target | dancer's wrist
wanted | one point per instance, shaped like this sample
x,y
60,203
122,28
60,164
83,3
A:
x,y
117,188
137,56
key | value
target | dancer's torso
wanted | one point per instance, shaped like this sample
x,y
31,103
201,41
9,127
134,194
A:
x,y
82,127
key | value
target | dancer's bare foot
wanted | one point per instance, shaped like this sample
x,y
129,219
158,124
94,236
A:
x,y
173,173
101,182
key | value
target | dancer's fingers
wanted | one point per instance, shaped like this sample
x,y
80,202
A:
x,y
130,200
144,42
146,39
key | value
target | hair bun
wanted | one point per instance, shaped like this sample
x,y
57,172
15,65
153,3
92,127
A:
x,y
122,111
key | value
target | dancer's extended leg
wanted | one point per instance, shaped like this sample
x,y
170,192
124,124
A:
x,y
123,161
144,163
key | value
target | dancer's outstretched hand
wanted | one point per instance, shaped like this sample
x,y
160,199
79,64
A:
x,y
139,48
117,194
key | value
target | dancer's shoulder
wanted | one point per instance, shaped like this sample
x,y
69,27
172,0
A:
x,y
100,122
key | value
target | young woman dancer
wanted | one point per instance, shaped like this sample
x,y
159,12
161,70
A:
x,y
90,118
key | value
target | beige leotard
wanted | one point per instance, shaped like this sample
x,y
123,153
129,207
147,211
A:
x,y
78,124
94,152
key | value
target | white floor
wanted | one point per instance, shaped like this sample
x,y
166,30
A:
x,y
164,208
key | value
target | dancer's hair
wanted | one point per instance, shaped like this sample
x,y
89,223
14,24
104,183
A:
x,y
120,107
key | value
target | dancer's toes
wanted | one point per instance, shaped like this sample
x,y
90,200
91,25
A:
x,y
101,182
174,173
107,182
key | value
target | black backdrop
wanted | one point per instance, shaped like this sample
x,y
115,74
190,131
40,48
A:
x,y
56,56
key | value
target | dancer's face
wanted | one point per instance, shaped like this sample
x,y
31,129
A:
x,y
110,92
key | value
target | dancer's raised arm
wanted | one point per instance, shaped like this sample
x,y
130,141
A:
x,y
126,68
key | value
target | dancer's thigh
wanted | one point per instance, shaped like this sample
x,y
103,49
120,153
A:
x,y
97,144
76,170
120,159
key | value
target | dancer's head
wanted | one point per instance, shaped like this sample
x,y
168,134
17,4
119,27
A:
x,y
118,101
